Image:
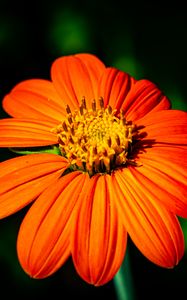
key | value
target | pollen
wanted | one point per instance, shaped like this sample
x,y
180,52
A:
x,y
95,140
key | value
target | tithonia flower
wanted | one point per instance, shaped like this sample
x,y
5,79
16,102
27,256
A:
x,y
119,169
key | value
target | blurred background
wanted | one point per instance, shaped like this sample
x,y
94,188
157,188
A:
x,y
146,40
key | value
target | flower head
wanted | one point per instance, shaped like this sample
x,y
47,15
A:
x,y
118,169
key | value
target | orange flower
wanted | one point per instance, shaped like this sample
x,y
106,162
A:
x,y
121,169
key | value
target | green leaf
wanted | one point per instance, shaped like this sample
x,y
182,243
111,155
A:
x,y
32,150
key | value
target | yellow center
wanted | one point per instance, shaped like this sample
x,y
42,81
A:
x,y
95,140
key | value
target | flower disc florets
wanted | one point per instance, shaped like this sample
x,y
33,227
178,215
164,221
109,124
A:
x,y
95,140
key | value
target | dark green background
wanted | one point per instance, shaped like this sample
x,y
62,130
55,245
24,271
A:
x,y
148,40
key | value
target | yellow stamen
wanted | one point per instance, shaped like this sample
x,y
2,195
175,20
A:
x,y
95,140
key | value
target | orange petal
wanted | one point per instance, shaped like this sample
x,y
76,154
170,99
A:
x,y
24,178
167,126
99,239
163,173
144,97
114,87
43,239
77,76
26,133
169,160
153,229
36,99
167,191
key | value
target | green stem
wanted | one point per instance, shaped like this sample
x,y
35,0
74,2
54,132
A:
x,y
123,282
